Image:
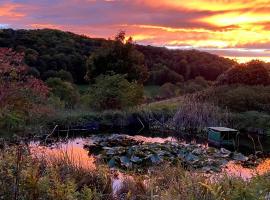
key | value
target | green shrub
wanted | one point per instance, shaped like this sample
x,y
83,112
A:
x,y
194,85
66,91
161,74
238,98
251,121
65,76
168,90
114,92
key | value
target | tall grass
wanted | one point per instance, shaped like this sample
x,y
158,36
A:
x,y
167,183
23,177
195,116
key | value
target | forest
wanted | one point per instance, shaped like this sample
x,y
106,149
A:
x,y
49,51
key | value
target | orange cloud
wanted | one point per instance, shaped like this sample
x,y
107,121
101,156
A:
x,y
42,26
201,24
8,10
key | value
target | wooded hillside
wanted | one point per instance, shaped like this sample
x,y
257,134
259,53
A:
x,y
49,51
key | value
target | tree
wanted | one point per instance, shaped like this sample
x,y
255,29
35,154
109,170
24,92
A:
x,y
22,97
65,76
62,74
238,98
161,74
114,92
118,56
64,90
251,73
168,90
47,49
188,63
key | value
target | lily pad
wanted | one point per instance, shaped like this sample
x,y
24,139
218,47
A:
x,y
112,163
124,152
155,159
239,157
135,159
125,161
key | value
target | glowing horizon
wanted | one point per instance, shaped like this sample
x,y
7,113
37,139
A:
x,y
216,26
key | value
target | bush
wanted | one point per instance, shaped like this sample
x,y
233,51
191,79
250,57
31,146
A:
x,y
251,122
251,73
194,85
238,98
167,182
62,74
168,90
65,76
23,97
66,91
114,92
162,74
34,72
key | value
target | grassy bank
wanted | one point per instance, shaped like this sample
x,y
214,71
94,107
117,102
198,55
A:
x,y
157,116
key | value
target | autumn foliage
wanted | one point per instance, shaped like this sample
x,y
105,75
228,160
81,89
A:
x,y
22,97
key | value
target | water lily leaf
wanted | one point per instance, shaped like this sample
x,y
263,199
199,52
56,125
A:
x,y
197,151
112,163
225,151
130,151
110,152
239,157
103,144
155,159
135,159
125,161
191,157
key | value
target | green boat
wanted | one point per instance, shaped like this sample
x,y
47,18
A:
x,y
222,136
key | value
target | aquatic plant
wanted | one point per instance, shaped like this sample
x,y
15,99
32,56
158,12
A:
x,y
194,116
126,153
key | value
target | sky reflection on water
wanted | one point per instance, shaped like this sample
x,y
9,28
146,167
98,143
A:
x,y
73,150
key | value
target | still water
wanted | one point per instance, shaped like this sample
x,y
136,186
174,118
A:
x,y
73,148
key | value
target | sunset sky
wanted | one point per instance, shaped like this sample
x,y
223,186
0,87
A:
x,y
231,28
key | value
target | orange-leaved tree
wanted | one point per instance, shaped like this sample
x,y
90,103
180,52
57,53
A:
x,y
22,97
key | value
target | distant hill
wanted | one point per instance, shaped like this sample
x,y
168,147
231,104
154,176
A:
x,y
48,51
188,63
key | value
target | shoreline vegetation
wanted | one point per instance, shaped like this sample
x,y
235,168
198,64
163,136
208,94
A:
x,y
28,177
161,115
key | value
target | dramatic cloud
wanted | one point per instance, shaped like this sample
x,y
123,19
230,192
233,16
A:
x,y
233,28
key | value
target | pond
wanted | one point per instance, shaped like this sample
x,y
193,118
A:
x,y
138,152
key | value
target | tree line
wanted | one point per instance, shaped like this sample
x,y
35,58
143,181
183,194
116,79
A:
x,y
49,51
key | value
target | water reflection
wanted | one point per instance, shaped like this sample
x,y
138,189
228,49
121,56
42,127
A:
x,y
237,170
73,150
153,139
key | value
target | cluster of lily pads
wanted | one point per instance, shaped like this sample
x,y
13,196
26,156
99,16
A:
x,y
124,152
